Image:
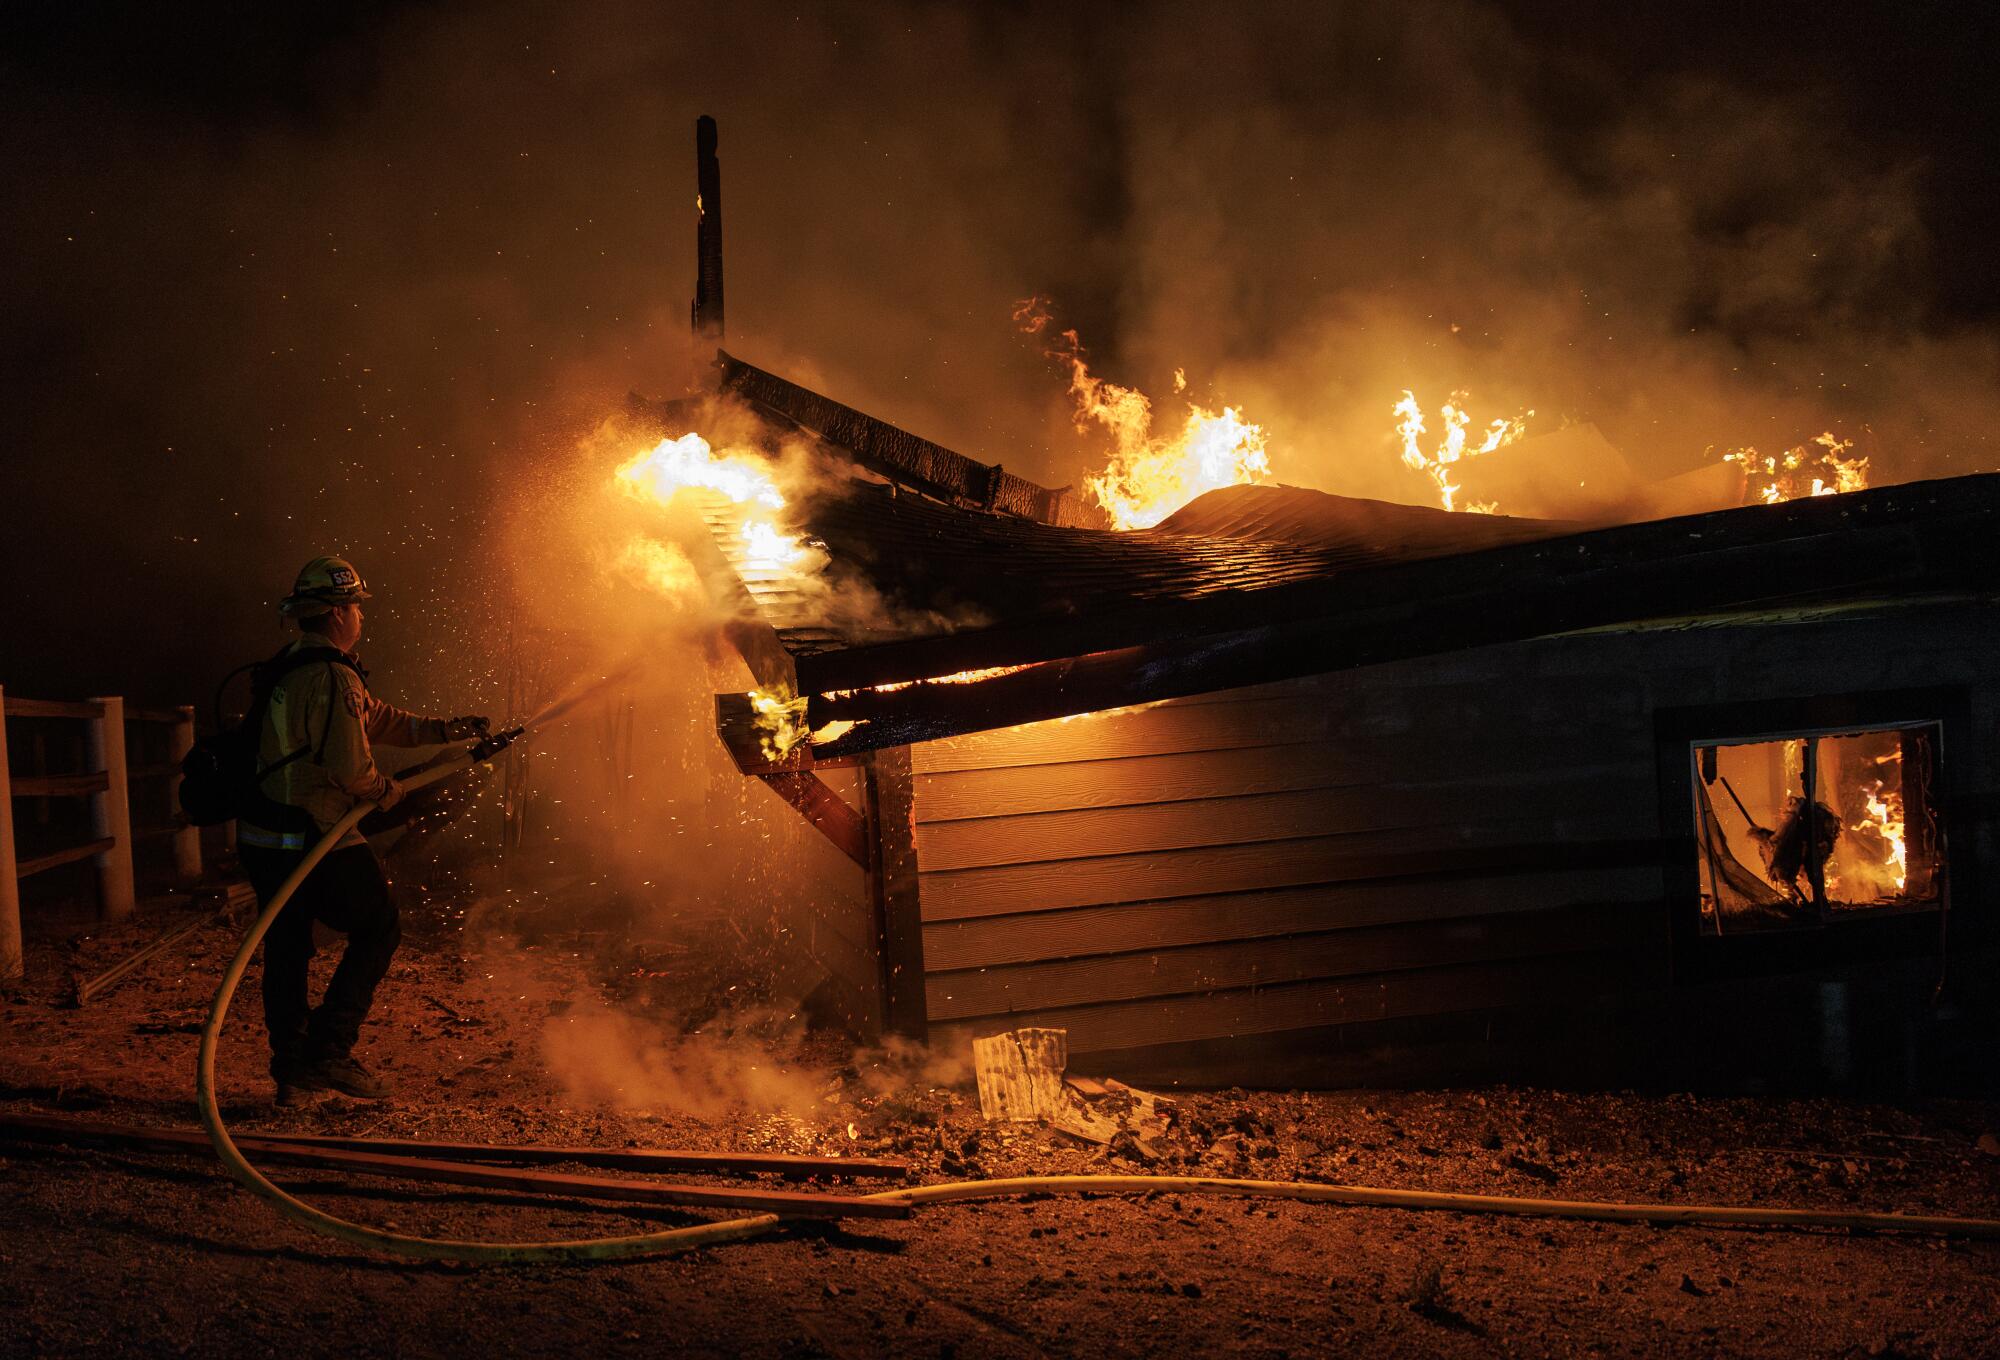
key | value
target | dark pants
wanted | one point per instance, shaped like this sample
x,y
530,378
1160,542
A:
x,y
348,893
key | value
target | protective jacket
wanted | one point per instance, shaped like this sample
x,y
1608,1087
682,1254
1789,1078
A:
x,y
326,709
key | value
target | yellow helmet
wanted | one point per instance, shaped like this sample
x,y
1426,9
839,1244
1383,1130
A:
x,y
324,584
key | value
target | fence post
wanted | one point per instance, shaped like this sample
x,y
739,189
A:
x,y
10,886
111,810
187,840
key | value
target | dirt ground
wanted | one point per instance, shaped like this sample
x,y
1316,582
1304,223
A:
x,y
513,1023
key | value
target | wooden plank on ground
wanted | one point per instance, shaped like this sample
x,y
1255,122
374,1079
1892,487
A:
x,y
1307,1005
460,1173
962,893
1030,937
791,1167
621,1159
1293,958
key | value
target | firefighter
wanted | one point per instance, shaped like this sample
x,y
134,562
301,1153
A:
x,y
318,723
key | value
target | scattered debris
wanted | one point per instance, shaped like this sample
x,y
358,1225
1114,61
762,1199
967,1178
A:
x,y
1021,1081
85,990
457,1017
1547,1175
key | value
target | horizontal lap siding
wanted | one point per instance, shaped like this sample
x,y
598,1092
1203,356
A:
x,y
1295,958
1379,843
1309,1005
1053,884
1446,814
1030,937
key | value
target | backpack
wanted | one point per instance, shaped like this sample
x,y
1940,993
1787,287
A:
x,y
220,777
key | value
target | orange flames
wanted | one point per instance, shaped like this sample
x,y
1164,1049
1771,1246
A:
x,y
1453,446
955,678
1882,818
1817,467
1876,858
1149,476
741,479
780,717
762,545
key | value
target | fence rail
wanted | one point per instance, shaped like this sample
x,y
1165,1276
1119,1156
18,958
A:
x,y
107,784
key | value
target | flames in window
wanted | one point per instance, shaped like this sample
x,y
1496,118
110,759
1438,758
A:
x,y
1867,840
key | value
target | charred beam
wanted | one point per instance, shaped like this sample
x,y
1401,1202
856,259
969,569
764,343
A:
x,y
707,310
826,810
904,458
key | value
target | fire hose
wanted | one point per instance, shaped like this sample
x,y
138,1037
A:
x,y
675,1240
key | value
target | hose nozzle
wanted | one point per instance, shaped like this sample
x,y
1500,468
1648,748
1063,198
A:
x,y
491,746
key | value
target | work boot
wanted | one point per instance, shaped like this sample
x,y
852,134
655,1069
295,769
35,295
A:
x,y
285,1067
340,1073
291,1095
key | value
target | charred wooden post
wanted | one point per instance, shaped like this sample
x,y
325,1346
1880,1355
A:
x,y
10,885
111,809
708,234
893,889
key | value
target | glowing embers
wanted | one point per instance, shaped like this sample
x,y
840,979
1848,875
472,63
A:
x,y
1869,839
1818,467
1454,444
1150,476
955,678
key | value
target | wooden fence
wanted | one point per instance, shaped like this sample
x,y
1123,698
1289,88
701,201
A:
x,y
107,784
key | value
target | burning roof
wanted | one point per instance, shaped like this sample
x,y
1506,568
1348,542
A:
x,y
943,596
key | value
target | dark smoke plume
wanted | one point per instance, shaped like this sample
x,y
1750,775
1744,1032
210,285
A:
x,y
278,288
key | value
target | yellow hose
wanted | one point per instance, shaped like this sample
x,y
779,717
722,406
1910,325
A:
x,y
735,1230
360,1234
1313,1192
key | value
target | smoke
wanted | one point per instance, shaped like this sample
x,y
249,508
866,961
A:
x,y
288,289
740,1062
1700,265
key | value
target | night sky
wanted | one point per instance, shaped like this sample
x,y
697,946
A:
x,y
286,280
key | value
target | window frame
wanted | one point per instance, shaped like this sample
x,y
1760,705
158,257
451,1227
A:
x,y
1835,944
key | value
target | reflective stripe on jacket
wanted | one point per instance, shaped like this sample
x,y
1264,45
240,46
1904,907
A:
x,y
327,709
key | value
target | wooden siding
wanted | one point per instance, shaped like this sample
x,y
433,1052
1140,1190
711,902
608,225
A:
x,y
1309,1005
1285,856
1467,831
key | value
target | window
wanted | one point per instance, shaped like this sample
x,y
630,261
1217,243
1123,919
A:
x,y
1867,843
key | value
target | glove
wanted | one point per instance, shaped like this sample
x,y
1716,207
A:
x,y
392,794
465,729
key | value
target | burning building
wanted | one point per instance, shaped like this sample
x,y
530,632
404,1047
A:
x,y
1284,786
